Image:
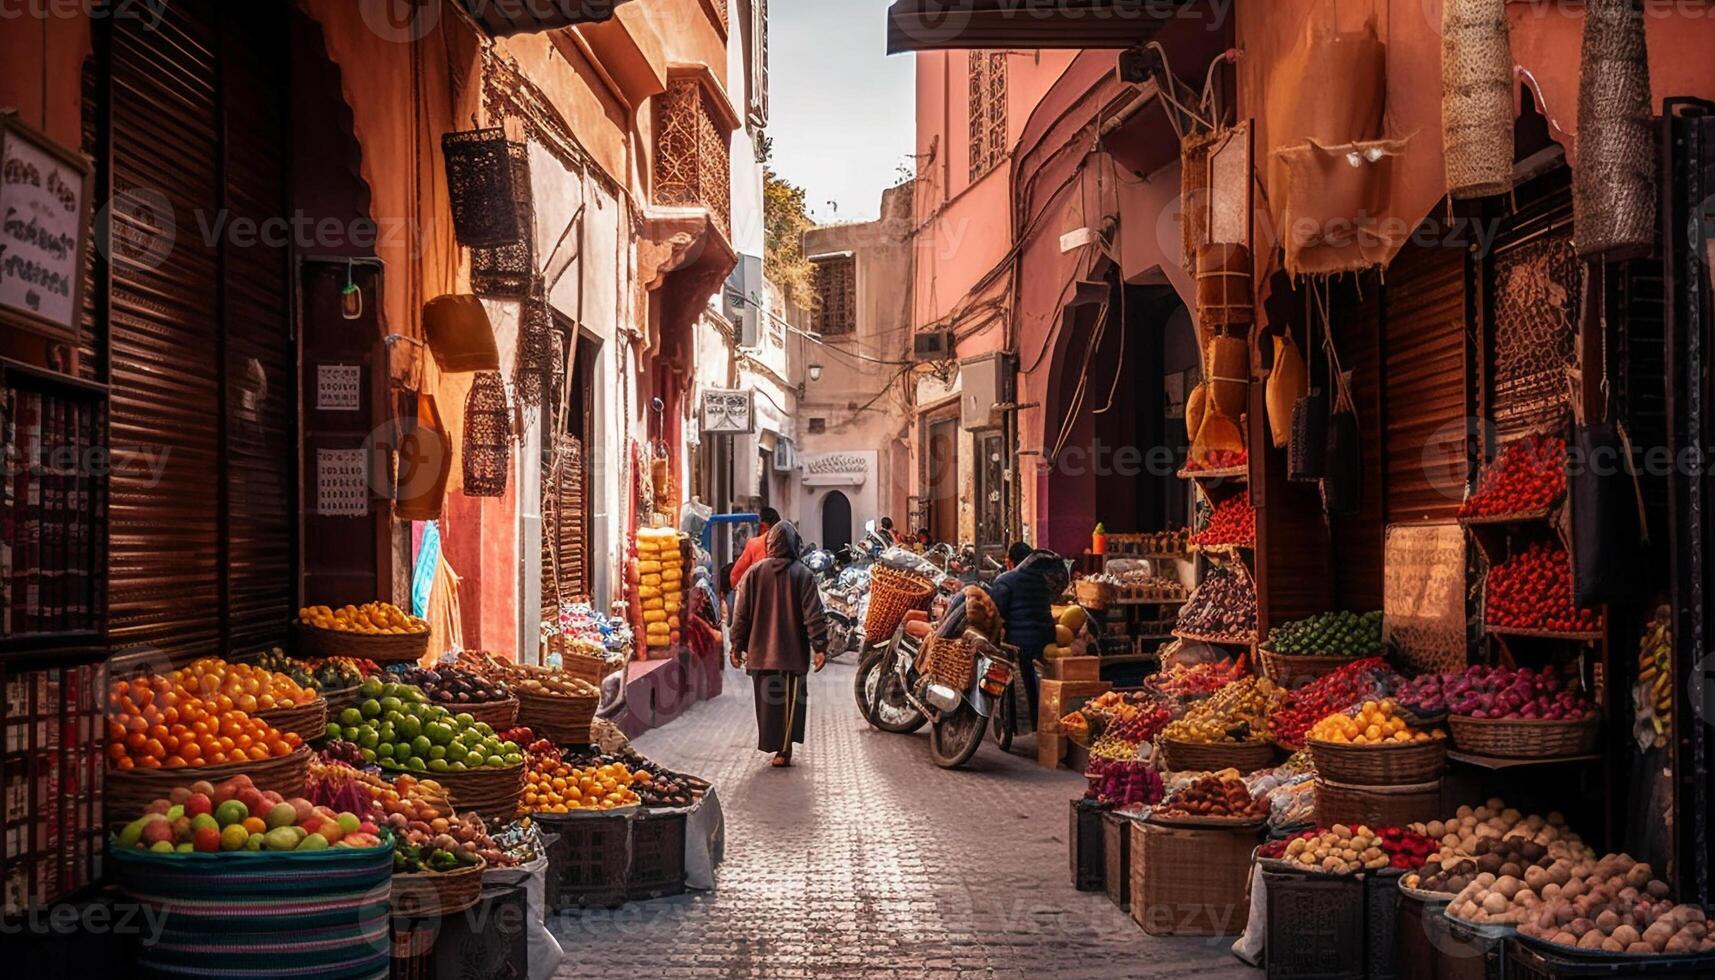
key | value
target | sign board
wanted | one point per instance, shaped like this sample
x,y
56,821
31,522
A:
x,y
728,411
342,482
44,228
338,387
1423,595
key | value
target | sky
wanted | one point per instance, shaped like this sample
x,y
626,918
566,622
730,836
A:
x,y
841,110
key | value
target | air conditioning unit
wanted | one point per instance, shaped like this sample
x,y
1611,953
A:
x,y
985,382
933,345
785,457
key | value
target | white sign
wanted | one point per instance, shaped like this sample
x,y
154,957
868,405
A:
x,y
729,411
44,192
337,387
342,482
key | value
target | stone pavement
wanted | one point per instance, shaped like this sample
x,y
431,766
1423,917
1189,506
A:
x,y
864,859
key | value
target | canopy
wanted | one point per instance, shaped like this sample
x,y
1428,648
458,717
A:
x,y
504,18
927,25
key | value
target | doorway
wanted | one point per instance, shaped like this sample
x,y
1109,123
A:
x,y
941,477
836,521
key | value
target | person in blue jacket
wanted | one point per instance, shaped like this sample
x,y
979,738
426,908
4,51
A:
x,y
1025,597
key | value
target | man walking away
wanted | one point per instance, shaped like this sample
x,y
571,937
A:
x,y
779,632
1025,597
757,547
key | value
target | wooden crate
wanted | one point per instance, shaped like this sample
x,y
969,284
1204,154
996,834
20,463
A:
x,y
1084,846
1116,858
1315,926
1061,698
1190,882
1073,668
1050,750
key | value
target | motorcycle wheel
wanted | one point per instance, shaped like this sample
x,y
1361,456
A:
x,y
879,699
1005,720
956,737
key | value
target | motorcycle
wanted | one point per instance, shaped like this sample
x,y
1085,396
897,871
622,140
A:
x,y
847,603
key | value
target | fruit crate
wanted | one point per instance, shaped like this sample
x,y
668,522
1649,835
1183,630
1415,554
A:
x,y
1525,962
1462,953
1084,842
657,855
1315,926
1116,858
587,864
1414,954
1381,924
487,940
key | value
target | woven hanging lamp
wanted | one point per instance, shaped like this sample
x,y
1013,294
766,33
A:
x,y
487,449
1477,97
533,365
1614,185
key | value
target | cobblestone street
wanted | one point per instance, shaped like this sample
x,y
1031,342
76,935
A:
x,y
866,860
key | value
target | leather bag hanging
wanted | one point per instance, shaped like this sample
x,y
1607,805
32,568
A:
x,y
1604,502
1306,454
1343,476
1286,385
425,463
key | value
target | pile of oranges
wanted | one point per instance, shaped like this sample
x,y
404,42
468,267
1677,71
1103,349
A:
x,y
552,786
1374,723
371,617
250,688
155,723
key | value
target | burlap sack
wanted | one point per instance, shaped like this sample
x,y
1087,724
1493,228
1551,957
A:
x,y
1614,184
1287,382
1477,97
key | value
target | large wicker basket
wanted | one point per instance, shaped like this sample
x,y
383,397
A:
x,y
1094,595
585,667
1402,764
1523,738
1291,670
1376,806
948,661
492,793
1215,756
892,594
127,792
383,648
341,698
427,894
308,720
499,715
562,720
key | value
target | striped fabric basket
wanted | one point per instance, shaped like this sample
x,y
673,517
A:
x,y
315,914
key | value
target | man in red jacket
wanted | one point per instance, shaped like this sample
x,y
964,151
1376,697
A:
x,y
756,548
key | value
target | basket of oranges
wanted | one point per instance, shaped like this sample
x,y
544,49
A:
x,y
554,787
161,735
376,631
1373,745
272,697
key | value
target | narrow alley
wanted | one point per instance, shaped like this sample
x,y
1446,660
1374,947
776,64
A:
x,y
866,860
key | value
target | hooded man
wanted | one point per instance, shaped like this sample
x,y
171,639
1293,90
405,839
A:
x,y
1025,597
779,632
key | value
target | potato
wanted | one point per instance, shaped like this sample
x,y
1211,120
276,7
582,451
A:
x,y
1591,940
1640,948
1625,934
1494,903
1507,886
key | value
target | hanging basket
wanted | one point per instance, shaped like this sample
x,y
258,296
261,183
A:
x,y
533,364
1614,184
1224,285
1194,151
487,449
488,187
1477,98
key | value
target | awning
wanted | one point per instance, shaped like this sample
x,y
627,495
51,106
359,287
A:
x,y
928,25
504,18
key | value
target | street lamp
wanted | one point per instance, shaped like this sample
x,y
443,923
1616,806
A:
x,y
815,372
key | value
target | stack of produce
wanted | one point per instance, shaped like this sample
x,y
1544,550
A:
x,y
234,815
1489,692
1068,624
249,688
1527,477
371,618
452,686
430,835
1375,723
547,682
397,728
1424,696
1122,783
153,722
1532,590
1233,523
1331,634
1352,683
654,784
1197,680
1238,712
1652,697
1128,731
1215,796
1144,585
341,673
1218,460
1615,905
552,785
1406,847
1497,840
660,584
298,671
1223,608
1339,850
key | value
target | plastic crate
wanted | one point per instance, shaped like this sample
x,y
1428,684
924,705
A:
x,y
587,864
1414,955
1528,963
487,940
1315,926
1084,842
1463,954
1381,923
657,856
1116,858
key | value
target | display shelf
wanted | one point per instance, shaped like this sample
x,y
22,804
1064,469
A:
x,y
1223,550
1238,473
1595,637
1151,602
1217,641
1523,517
1500,762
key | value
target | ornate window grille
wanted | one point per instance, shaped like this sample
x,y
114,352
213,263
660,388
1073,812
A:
x,y
987,111
692,168
836,285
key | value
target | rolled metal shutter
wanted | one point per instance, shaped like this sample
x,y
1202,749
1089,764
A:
x,y
1425,394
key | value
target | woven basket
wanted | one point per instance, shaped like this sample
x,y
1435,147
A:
x,y
500,715
1213,757
486,451
1224,295
1614,186
1092,594
949,661
492,793
308,720
1292,670
1477,97
1522,738
483,167
313,642
892,594
1190,882
1196,822
585,667
127,792
341,698
1376,806
428,894
1404,764
562,720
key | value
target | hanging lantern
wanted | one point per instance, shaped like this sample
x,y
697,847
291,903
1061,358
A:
x,y
1477,97
488,187
533,363
1614,189
459,334
487,448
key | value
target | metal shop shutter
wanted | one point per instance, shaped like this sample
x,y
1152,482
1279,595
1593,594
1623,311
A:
x,y
1425,388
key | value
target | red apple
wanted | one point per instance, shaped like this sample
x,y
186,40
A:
x,y
159,806
206,840
199,803
252,799
304,808
203,786
179,794
157,831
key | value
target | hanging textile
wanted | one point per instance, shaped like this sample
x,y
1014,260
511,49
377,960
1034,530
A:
x,y
1614,191
1477,97
446,629
423,572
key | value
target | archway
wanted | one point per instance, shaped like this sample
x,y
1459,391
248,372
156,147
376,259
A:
x,y
836,521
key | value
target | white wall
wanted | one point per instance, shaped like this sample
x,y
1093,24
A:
x,y
865,497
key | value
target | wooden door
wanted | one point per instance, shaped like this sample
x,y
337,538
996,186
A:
x,y
942,480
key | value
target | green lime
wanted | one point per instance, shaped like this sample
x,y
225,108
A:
x,y
371,687
439,765
495,761
368,755
351,716
384,750
457,767
391,704
349,733
509,747
401,751
483,727
410,727
513,759
366,737
371,708
437,752
332,731
465,719
420,746
416,765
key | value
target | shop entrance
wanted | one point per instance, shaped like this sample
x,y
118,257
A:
x,y
941,477
836,521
